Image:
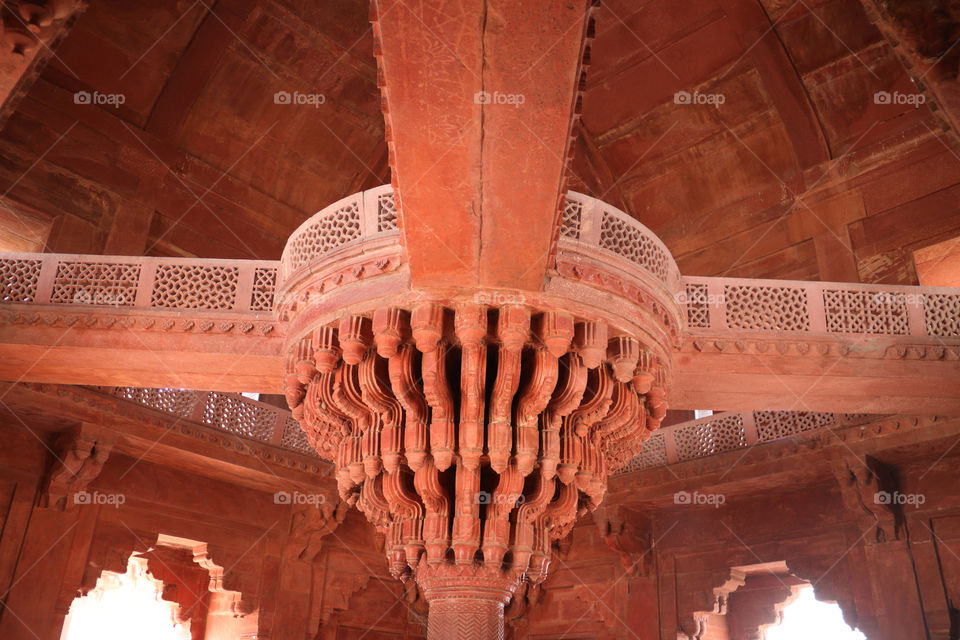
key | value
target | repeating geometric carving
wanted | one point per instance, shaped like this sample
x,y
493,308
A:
x,y
941,313
195,287
18,280
780,424
178,402
465,619
386,213
264,287
294,438
865,312
570,224
766,308
620,236
653,454
707,438
240,416
329,232
698,313
96,283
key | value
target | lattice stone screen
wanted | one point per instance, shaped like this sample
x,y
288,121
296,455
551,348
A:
x,y
849,311
941,314
294,438
325,234
698,313
233,413
766,308
264,288
730,431
618,236
780,424
653,454
179,402
570,224
708,438
386,213
96,283
18,280
184,286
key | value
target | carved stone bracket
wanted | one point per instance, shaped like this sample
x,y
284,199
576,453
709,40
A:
x,y
869,488
310,525
79,457
626,538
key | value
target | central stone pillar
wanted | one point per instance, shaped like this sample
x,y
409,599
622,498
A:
x,y
466,602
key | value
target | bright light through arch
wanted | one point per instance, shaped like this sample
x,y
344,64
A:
x,y
124,606
806,618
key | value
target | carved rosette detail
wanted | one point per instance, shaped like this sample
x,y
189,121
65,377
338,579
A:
x,y
472,437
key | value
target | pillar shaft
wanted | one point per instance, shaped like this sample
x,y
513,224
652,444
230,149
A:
x,y
465,618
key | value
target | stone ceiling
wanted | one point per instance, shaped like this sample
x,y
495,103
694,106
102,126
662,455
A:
x,y
798,173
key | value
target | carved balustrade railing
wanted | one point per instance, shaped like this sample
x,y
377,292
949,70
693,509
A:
x,y
731,430
126,282
359,223
794,307
591,226
230,412
367,221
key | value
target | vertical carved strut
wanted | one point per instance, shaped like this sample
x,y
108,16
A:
x,y
427,324
376,394
566,398
533,400
513,331
414,405
436,503
471,326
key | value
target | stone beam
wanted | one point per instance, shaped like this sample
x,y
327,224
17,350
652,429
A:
x,y
737,344
480,101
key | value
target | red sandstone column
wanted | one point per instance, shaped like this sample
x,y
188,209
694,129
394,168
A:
x,y
465,607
